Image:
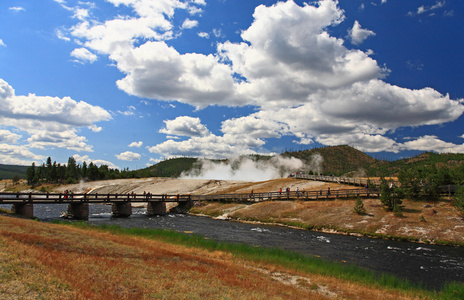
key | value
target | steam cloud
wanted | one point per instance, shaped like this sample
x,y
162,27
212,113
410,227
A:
x,y
315,164
244,168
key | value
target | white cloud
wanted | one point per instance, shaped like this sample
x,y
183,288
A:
x,y
185,126
17,8
210,146
2,44
358,34
189,24
49,121
426,9
154,161
136,144
61,35
60,139
433,143
302,80
97,162
129,112
95,128
83,55
254,127
203,35
8,137
48,109
128,156
155,70
17,155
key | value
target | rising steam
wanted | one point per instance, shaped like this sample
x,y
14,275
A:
x,y
245,168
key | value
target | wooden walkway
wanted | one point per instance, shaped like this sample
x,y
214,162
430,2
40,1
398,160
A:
x,y
344,180
325,194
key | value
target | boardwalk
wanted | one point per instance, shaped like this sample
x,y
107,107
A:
x,y
325,194
344,180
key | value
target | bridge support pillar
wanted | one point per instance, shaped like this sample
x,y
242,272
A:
x,y
23,209
122,210
183,207
156,208
78,211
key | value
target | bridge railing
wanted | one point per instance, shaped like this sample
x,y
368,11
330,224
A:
x,y
292,195
11,198
344,180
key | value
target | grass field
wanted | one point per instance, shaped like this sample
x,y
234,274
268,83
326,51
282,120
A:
x,y
58,261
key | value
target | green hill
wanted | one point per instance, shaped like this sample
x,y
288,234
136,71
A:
x,y
424,160
10,171
171,168
336,160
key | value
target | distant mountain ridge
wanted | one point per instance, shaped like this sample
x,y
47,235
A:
x,y
340,160
10,171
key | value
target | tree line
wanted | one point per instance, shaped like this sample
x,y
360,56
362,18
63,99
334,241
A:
x,y
72,172
423,183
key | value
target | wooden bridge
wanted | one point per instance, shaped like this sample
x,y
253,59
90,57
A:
x,y
78,204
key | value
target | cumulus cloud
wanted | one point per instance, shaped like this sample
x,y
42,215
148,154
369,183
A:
x,y
95,128
97,162
128,156
49,121
211,146
358,34
185,126
136,144
83,55
433,143
2,44
302,80
188,24
18,155
8,137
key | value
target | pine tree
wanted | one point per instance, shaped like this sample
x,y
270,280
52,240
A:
x,y
359,207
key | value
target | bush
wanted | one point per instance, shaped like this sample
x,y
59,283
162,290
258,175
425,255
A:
x,y
359,207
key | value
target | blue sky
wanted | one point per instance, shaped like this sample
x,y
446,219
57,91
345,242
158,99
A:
x,y
128,83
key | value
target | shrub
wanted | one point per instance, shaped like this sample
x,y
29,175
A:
x,y
359,207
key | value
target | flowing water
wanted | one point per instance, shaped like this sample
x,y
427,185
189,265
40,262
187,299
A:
x,y
430,265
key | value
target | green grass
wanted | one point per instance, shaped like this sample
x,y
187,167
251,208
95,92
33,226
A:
x,y
289,259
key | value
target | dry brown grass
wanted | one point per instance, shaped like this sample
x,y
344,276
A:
x,y
48,261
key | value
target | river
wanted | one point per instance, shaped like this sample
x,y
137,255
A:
x,y
430,265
